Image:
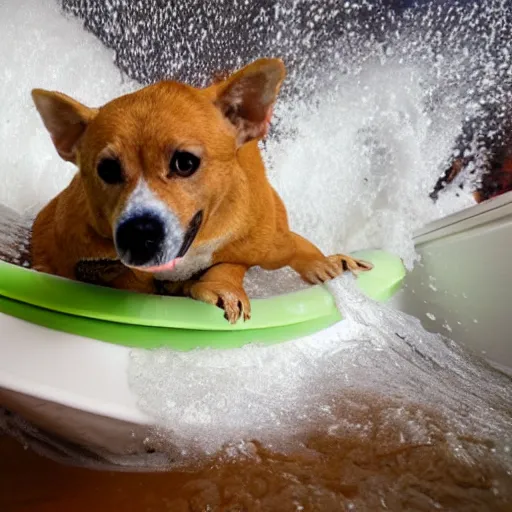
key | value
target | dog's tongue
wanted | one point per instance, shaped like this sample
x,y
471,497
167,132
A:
x,y
167,267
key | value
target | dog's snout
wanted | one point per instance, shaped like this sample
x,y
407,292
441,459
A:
x,y
139,239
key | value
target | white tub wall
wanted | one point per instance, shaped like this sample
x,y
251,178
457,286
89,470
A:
x,y
463,285
80,438
78,426
72,387
72,370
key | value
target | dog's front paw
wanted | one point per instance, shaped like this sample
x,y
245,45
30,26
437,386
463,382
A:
x,y
232,300
348,263
320,271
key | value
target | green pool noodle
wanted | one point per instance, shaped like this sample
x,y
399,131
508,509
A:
x,y
151,321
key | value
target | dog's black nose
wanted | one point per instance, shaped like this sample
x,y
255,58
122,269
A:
x,y
139,239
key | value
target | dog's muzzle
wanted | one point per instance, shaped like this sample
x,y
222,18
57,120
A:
x,y
145,241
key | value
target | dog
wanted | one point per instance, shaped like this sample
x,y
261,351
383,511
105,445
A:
x,y
171,194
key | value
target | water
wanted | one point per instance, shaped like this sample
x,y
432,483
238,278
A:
x,y
369,118
31,174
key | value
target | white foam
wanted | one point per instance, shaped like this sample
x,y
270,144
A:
x,y
369,155
41,48
205,399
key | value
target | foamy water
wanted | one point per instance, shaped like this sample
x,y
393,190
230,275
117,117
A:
x,y
355,155
40,48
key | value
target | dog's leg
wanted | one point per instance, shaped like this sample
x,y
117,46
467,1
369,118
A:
x,y
314,268
222,286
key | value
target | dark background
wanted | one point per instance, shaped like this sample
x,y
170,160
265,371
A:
x,y
155,39
192,40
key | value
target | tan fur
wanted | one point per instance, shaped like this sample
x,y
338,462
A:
x,y
245,222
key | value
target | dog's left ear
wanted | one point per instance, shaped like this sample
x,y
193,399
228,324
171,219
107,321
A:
x,y
246,98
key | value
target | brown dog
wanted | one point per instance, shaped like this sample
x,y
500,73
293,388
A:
x,y
172,188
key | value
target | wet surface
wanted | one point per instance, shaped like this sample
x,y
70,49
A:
x,y
352,469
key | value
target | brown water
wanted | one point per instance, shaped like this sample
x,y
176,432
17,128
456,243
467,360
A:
x,y
353,469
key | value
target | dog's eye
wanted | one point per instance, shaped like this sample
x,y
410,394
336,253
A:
x,y
184,164
110,171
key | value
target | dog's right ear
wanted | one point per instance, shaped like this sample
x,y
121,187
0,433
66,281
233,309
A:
x,y
65,118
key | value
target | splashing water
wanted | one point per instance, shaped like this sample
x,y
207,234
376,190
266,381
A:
x,y
375,101
285,390
32,174
442,64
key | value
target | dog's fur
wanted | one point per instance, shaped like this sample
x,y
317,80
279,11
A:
x,y
241,220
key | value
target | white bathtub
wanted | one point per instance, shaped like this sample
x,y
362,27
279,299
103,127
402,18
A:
x,y
461,288
463,285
